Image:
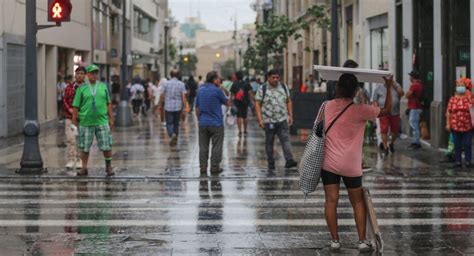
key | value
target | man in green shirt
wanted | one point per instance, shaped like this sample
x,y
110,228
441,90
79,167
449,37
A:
x,y
93,115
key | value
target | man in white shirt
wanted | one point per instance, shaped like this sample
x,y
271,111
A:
x,y
137,92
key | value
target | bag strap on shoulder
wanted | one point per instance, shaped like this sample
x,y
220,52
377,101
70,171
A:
x,y
337,117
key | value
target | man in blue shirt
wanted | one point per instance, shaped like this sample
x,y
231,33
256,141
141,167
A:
x,y
209,101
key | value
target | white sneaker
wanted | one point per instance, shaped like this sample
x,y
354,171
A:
x,y
70,164
78,164
365,246
335,245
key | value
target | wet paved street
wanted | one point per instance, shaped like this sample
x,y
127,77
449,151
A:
x,y
159,204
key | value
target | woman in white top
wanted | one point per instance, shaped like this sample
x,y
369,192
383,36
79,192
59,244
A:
x,y
157,91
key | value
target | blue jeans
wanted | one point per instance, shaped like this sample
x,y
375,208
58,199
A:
x,y
462,139
172,122
414,120
283,132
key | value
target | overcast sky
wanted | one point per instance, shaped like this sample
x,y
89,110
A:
x,y
217,15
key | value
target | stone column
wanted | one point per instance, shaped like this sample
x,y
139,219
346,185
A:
x,y
472,37
407,58
437,106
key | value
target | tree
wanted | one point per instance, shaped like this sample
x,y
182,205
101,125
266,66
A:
x,y
172,51
188,64
227,68
272,37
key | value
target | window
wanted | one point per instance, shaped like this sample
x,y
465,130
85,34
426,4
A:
x,y
99,25
115,24
350,33
117,3
143,25
356,15
379,48
300,53
78,59
350,40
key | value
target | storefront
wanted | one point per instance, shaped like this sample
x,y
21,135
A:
x,y
433,37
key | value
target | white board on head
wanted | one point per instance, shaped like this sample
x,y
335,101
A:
x,y
330,73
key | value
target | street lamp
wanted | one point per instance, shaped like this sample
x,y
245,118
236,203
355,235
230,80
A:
x,y
124,113
240,58
31,161
181,58
169,23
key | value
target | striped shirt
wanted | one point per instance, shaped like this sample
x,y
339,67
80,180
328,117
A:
x,y
173,90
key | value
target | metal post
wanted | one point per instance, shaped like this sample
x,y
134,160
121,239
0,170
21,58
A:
x,y
265,60
181,58
334,34
31,161
166,50
240,59
124,114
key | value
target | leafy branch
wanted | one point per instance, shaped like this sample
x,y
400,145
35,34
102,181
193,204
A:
x,y
272,37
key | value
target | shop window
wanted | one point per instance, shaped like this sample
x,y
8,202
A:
x,y
78,60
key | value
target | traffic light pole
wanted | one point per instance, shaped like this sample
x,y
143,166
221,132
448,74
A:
x,y
334,34
124,113
31,161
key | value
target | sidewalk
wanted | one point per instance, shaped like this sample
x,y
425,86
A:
x,y
142,152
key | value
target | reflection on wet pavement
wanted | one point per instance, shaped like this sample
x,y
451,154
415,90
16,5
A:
x,y
159,204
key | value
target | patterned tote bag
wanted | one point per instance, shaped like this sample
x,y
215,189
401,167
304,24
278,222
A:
x,y
313,155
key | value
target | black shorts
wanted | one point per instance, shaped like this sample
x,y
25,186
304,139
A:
x,y
330,178
242,110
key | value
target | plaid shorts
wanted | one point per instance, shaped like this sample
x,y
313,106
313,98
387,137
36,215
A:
x,y
101,132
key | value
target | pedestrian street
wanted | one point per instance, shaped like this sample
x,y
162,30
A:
x,y
159,204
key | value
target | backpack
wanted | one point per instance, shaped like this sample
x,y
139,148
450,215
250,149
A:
x,y
264,91
138,95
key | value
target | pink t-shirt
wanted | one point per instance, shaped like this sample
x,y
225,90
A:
x,y
343,147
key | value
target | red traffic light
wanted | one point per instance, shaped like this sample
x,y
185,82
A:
x,y
59,10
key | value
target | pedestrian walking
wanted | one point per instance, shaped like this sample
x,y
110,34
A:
x,y
209,101
157,91
70,129
175,105
138,95
275,114
459,123
389,122
200,81
115,90
93,115
147,96
343,153
241,95
60,88
415,107
311,84
191,87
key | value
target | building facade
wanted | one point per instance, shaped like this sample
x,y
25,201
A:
x,y
431,36
59,49
94,35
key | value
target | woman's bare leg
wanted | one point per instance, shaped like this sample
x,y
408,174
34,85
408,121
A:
x,y
330,208
356,196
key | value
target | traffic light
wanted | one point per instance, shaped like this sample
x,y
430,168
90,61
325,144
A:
x,y
59,10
